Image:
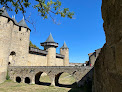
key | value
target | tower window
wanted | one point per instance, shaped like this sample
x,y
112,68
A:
x,y
12,53
9,63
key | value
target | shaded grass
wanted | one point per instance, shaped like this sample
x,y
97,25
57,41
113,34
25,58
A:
x,y
10,86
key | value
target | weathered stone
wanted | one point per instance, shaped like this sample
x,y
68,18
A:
x,y
65,52
5,40
54,72
108,66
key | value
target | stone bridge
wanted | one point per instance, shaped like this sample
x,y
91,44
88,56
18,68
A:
x,y
31,74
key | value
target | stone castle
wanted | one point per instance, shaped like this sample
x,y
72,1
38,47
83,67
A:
x,y
15,50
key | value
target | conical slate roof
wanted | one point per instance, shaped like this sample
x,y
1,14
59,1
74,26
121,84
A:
x,y
49,42
4,12
64,45
23,23
50,38
13,18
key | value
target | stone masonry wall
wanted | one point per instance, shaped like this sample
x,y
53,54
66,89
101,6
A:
x,y
92,58
65,52
36,60
20,45
51,56
5,40
59,62
108,66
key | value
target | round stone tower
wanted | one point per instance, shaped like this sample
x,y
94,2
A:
x,y
64,50
50,46
6,26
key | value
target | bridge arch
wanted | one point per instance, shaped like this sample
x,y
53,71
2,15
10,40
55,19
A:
x,y
42,78
57,78
37,77
62,77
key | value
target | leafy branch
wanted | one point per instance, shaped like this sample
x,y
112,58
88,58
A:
x,y
45,8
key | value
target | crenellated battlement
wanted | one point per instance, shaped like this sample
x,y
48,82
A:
x,y
6,19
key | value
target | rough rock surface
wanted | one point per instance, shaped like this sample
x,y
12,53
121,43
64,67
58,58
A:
x,y
108,66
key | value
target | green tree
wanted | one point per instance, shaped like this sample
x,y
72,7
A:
x,y
33,45
45,7
30,44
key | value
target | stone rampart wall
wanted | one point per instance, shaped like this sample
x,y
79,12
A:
x,y
36,60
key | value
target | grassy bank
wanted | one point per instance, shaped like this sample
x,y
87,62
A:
x,y
10,86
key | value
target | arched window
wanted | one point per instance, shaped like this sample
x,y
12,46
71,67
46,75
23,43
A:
x,y
64,80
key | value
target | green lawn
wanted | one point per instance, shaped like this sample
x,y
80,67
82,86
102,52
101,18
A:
x,y
10,86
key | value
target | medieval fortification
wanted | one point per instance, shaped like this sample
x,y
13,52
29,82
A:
x,y
26,62
15,50
107,75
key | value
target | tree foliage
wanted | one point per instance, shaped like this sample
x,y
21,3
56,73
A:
x,y
45,7
32,45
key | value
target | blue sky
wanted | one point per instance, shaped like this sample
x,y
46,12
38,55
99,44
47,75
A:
x,y
83,34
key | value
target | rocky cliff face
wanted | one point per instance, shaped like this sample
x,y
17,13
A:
x,y
108,66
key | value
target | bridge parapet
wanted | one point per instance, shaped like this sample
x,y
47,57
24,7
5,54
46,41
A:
x,y
54,72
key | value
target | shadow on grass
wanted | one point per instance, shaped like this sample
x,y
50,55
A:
x,y
43,83
87,87
59,85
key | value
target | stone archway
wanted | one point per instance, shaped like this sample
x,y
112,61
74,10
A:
x,y
64,79
18,79
41,78
37,77
57,78
27,80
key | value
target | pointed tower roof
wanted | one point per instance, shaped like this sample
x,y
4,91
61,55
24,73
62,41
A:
x,y
4,12
49,42
50,38
23,23
14,19
64,45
